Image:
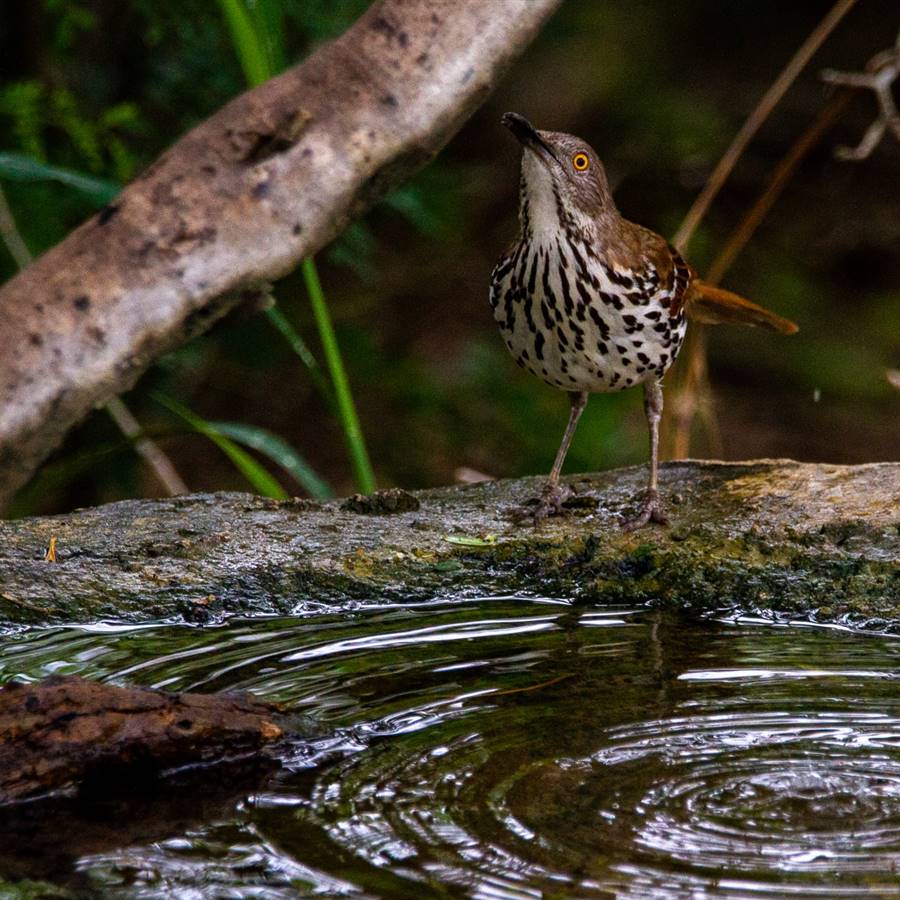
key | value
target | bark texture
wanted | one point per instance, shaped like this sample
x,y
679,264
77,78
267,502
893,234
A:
x,y
817,541
237,202
57,733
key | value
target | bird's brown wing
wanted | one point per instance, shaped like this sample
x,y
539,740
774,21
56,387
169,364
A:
x,y
711,305
674,275
684,278
700,301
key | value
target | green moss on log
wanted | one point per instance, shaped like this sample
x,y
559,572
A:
x,y
818,541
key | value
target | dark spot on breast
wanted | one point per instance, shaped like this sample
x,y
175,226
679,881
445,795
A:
x,y
381,24
81,303
107,213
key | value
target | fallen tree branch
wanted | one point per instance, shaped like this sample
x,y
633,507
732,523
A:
x,y
237,202
58,733
815,540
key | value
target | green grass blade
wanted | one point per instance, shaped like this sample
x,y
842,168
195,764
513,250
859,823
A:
x,y
250,48
268,16
301,349
356,445
19,167
263,483
280,452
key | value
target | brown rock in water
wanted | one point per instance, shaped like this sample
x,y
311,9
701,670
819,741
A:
x,y
59,733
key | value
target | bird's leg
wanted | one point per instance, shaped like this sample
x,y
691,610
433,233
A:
x,y
651,510
554,494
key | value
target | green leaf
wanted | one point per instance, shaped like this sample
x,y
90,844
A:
x,y
18,167
301,349
250,45
347,415
263,483
279,451
466,541
409,201
247,42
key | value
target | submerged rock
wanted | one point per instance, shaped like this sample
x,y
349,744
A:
x,y
810,540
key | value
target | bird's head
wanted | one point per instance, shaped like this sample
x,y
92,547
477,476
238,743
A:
x,y
563,181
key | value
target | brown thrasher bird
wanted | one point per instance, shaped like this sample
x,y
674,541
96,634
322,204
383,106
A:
x,y
592,303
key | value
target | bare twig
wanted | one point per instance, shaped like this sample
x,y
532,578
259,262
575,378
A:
x,y
779,179
146,447
157,460
755,120
10,234
691,394
881,72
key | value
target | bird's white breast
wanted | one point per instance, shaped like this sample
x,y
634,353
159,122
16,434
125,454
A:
x,y
575,321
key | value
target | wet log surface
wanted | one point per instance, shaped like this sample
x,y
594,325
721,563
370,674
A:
x,y
812,540
67,732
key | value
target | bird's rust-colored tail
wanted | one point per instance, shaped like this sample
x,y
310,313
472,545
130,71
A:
x,y
712,305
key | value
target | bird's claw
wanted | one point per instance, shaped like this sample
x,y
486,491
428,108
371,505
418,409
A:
x,y
555,500
651,511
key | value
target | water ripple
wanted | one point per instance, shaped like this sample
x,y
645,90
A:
x,y
508,748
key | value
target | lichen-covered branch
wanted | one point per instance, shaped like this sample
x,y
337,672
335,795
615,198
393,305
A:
x,y
813,540
238,201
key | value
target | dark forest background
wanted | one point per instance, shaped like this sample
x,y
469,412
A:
x,y
98,88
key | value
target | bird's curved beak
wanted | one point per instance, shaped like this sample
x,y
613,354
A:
x,y
528,136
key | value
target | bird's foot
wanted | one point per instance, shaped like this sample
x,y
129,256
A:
x,y
651,511
554,500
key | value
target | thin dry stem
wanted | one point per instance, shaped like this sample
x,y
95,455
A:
x,y
778,181
155,457
10,234
691,395
755,120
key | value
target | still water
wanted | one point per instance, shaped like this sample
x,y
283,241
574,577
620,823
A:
x,y
500,747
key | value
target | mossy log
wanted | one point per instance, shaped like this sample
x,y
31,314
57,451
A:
x,y
59,733
811,540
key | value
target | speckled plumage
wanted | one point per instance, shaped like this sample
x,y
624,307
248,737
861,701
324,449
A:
x,y
596,310
586,300
592,303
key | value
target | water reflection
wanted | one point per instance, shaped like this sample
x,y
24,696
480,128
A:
x,y
515,747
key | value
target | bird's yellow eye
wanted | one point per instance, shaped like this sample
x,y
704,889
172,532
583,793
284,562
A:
x,y
580,162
